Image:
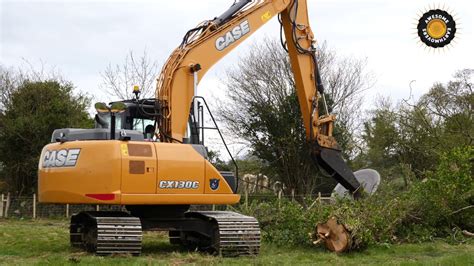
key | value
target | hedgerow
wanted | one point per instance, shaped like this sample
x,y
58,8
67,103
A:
x,y
438,206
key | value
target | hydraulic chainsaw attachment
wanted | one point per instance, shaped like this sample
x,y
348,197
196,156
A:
x,y
327,154
331,161
351,184
369,180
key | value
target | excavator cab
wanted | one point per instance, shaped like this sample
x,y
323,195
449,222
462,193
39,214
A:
x,y
121,120
138,115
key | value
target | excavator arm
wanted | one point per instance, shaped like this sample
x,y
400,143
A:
x,y
210,41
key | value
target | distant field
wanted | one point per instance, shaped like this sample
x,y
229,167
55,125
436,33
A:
x,y
46,242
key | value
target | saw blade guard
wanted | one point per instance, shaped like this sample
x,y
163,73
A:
x,y
369,180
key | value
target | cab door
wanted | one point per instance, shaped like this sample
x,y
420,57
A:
x,y
139,168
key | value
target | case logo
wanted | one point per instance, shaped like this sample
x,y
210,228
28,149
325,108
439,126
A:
x,y
232,36
214,183
61,158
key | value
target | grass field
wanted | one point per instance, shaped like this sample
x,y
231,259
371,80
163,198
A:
x,y
46,242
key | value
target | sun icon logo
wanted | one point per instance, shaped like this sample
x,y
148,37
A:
x,y
436,28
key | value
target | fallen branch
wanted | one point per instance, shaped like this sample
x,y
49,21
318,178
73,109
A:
x,y
462,209
414,217
467,233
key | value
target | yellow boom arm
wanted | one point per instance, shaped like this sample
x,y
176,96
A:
x,y
206,44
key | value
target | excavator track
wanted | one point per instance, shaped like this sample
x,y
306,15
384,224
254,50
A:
x,y
234,235
224,233
106,233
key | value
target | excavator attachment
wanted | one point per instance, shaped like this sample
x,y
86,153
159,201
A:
x,y
331,162
351,184
369,180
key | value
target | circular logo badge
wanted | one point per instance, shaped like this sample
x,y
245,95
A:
x,y
436,28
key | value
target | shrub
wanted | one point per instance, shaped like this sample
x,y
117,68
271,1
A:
x,y
285,222
429,208
445,198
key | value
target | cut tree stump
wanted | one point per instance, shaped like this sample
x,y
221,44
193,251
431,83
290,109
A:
x,y
335,236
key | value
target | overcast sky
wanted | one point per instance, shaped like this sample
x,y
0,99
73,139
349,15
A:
x,y
80,38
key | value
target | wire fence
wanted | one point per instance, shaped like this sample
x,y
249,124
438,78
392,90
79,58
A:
x,y
29,207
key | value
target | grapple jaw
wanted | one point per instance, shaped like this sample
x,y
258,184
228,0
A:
x,y
330,160
351,184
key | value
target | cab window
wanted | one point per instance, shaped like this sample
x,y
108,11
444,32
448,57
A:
x,y
146,126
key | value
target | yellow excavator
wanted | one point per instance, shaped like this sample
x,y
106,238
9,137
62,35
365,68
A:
x,y
149,155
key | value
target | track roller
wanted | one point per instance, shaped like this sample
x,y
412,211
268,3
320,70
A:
x,y
232,234
106,233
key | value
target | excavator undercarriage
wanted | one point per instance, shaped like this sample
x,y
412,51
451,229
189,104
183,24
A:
x,y
217,232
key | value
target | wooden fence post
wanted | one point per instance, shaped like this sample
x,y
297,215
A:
x,y
67,210
319,197
279,198
246,199
97,208
293,194
7,205
2,200
34,206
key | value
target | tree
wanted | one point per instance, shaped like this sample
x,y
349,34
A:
x,y
214,158
416,134
30,116
263,110
381,137
118,80
345,80
439,121
8,83
11,79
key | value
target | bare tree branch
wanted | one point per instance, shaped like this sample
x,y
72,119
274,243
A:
x,y
118,80
262,108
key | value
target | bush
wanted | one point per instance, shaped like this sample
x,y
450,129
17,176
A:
x,y
429,208
445,199
285,222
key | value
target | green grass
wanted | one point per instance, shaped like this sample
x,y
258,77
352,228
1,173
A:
x,y
46,242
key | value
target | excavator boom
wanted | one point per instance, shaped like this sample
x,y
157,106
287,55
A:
x,y
210,41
